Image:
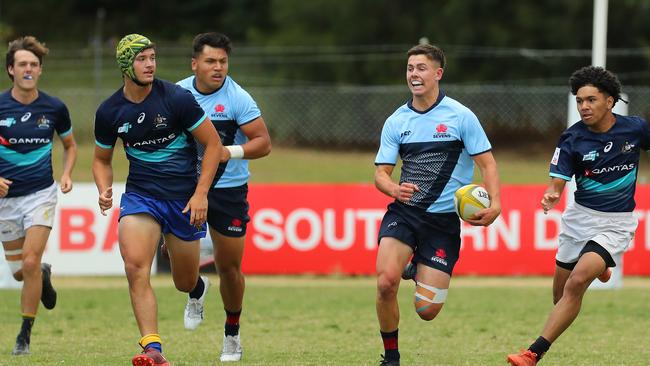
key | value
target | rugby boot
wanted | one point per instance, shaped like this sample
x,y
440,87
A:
x,y
605,276
409,272
21,347
48,294
149,357
231,350
386,362
523,358
194,308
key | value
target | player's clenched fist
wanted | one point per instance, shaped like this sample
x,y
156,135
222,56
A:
x,y
106,200
4,186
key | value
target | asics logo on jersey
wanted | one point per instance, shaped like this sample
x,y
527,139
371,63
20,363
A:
x,y
609,169
124,128
25,117
592,155
608,146
141,117
7,122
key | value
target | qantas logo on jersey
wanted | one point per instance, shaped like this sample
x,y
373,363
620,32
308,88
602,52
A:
x,y
609,169
23,140
160,140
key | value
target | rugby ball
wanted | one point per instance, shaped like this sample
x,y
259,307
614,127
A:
x,y
470,199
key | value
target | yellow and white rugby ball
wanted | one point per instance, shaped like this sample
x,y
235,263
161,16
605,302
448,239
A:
x,y
470,199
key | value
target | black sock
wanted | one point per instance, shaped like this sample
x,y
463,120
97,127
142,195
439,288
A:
x,y
232,323
26,328
391,350
540,347
198,289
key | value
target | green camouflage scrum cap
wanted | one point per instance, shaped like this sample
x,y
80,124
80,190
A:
x,y
127,49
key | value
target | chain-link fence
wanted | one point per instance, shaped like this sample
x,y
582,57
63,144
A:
x,y
321,114
352,117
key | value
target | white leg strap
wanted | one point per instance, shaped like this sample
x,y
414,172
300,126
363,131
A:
x,y
15,266
440,294
14,251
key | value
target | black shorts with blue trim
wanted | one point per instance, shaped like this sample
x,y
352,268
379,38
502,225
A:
x,y
228,210
434,237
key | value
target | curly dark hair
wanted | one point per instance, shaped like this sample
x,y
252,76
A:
x,y
597,76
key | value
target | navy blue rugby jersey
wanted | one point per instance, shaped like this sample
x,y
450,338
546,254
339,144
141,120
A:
x,y
157,139
26,134
436,147
605,165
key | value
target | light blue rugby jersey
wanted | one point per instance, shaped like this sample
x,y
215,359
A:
x,y
229,108
26,133
436,147
157,139
605,165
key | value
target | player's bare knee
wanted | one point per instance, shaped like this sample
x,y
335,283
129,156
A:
x,y
230,271
576,284
387,285
31,265
429,300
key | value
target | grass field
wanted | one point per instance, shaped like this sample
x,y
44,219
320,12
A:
x,y
288,165
331,321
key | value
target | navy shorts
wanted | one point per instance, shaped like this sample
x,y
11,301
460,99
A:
x,y
168,213
228,210
434,237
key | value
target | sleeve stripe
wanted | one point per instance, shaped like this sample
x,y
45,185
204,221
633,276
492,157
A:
x,y
102,145
393,164
66,133
198,122
482,152
555,175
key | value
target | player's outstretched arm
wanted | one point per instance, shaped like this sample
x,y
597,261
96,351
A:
x,y
69,159
207,136
258,144
553,194
488,168
103,174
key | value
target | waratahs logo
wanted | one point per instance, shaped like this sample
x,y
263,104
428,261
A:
x,y
235,225
219,111
440,257
441,131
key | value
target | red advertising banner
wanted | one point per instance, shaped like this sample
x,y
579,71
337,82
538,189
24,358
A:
x,y
324,229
